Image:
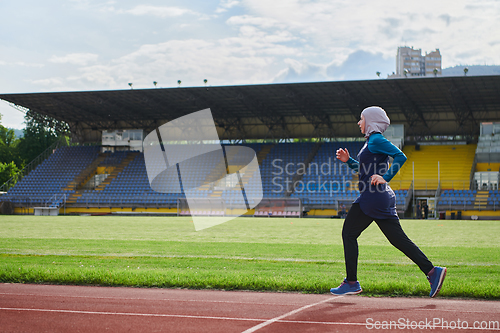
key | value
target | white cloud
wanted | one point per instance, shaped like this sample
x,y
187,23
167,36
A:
x,y
24,64
49,82
20,63
262,22
224,5
94,7
160,11
249,57
259,41
98,75
359,65
80,59
11,118
341,27
297,71
220,61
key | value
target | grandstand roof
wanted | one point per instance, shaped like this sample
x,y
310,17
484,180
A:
x,y
430,106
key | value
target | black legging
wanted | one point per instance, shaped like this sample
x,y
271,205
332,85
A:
x,y
357,221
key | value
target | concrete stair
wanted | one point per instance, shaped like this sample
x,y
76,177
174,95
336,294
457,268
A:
x,y
119,168
86,174
481,199
74,197
261,155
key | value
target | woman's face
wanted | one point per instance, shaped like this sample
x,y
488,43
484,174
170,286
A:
x,y
361,124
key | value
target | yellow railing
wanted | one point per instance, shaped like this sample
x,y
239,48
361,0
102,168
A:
x,y
427,184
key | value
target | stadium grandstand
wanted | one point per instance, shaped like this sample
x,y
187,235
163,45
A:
x,y
448,127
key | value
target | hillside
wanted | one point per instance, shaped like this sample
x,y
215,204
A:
x,y
474,70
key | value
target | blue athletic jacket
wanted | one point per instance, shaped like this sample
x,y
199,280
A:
x,y
377,201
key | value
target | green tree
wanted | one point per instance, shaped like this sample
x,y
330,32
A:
x,y
7,171
8,145
9,158
7,136
40,133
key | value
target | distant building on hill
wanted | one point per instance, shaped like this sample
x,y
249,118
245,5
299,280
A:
x,y
411,63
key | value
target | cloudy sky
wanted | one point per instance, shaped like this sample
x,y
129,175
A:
x,y
56,45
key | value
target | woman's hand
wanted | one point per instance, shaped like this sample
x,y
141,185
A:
x,y
343,154
377,179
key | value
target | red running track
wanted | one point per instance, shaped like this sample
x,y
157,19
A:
x,y
51,308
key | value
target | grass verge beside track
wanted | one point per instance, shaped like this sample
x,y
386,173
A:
x,y
247,253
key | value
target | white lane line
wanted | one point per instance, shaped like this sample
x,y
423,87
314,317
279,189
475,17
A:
x,y
359,306
171,315
183,316
273,320
265,323
148,299
128,314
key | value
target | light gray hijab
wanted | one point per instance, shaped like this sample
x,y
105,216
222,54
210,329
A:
x,y
376,120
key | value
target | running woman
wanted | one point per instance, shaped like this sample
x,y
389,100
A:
x,y
377,202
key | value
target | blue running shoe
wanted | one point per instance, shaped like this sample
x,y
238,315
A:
x,y
436,278
346,288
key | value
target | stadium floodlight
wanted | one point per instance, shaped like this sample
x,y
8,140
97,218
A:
x,y
185,156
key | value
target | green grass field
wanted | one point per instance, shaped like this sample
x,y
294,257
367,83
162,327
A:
x,y
276,254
